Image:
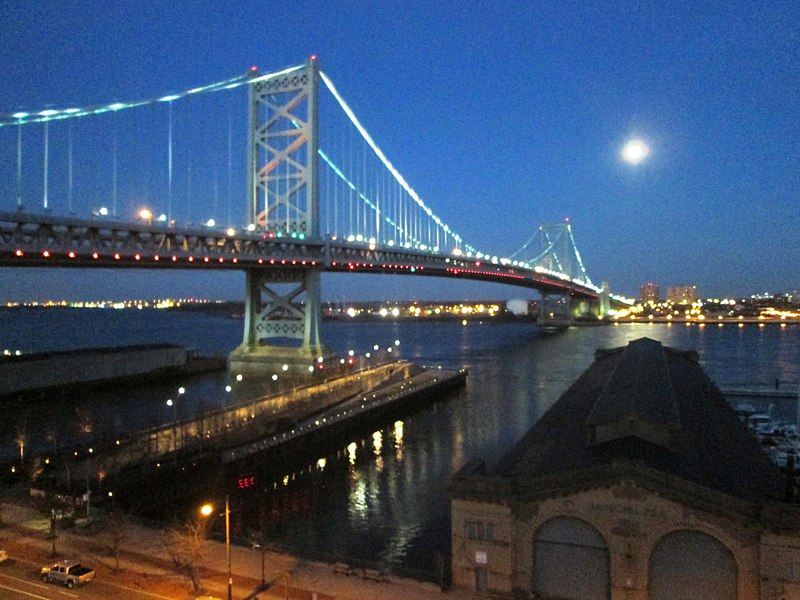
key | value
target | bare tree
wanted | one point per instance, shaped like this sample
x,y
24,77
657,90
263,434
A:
x,y
115,533
187,545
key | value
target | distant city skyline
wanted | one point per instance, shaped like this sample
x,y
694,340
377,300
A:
x,y
502,119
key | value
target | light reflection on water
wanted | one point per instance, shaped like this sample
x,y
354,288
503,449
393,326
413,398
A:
x,y
381,495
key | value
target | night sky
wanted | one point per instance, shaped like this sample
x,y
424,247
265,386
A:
x,y
502,116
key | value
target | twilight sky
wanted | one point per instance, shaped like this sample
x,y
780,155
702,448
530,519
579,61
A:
x,y
502,115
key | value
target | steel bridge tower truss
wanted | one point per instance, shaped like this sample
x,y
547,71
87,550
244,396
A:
x,y
552,247
283,201
282,153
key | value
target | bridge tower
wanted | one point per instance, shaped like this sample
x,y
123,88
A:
x,y
283,304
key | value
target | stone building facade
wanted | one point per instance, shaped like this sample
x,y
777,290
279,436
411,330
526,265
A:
x,y
640,483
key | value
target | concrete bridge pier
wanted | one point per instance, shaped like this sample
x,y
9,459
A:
x,y
555,311
282,307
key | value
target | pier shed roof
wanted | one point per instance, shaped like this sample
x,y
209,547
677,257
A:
x,y
650,406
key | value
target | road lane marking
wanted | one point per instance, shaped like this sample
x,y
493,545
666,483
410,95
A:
x,y
130,589
27,582
38,585
24,593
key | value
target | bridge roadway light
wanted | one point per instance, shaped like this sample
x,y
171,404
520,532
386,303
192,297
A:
x,y
146,215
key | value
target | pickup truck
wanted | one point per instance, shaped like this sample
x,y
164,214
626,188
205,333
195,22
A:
x,y
67,572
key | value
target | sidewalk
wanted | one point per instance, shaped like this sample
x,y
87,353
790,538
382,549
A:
x,y
145,563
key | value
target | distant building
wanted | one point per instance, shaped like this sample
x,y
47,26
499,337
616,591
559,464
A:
x,y
649,292
682,294
518,307
639,483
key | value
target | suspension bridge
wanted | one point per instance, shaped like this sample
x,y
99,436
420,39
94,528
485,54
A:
x,y
150,184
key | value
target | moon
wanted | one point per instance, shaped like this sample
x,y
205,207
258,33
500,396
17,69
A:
x,y
635,151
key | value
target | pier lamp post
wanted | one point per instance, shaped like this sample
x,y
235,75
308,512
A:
x,y
174,408
208,509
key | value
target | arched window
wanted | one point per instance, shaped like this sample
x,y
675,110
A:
x,y
570,561
692,566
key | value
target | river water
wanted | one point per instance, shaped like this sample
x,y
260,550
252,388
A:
x,y
380,496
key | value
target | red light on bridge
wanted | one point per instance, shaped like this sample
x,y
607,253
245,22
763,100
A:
x,y
19,253
156,258
116,256
313,57
253,69
205,259
46,253
95,255
174,259
261,261
191,259
221,259
235,260
137,256
71,255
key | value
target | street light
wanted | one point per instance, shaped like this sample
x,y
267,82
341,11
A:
x,y
206,510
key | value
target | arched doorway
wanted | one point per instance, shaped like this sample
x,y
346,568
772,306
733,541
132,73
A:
x,y
691,565
570,561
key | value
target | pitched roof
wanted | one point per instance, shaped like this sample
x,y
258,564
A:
x,y
655,406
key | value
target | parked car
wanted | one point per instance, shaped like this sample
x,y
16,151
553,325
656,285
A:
x,y
68,573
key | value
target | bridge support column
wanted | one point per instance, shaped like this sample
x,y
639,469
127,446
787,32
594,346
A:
x,y
282,307
283,304
605,299
554,312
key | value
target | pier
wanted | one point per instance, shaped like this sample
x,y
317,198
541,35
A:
x,y
270,421
358,408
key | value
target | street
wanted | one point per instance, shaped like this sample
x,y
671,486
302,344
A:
x,y
19,580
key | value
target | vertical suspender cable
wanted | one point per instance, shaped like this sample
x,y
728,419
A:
x,y
19,166
216,193
114,170
335,228
69,168
286,185
350,225
169,162
230,159
364,186
189,193
46,161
